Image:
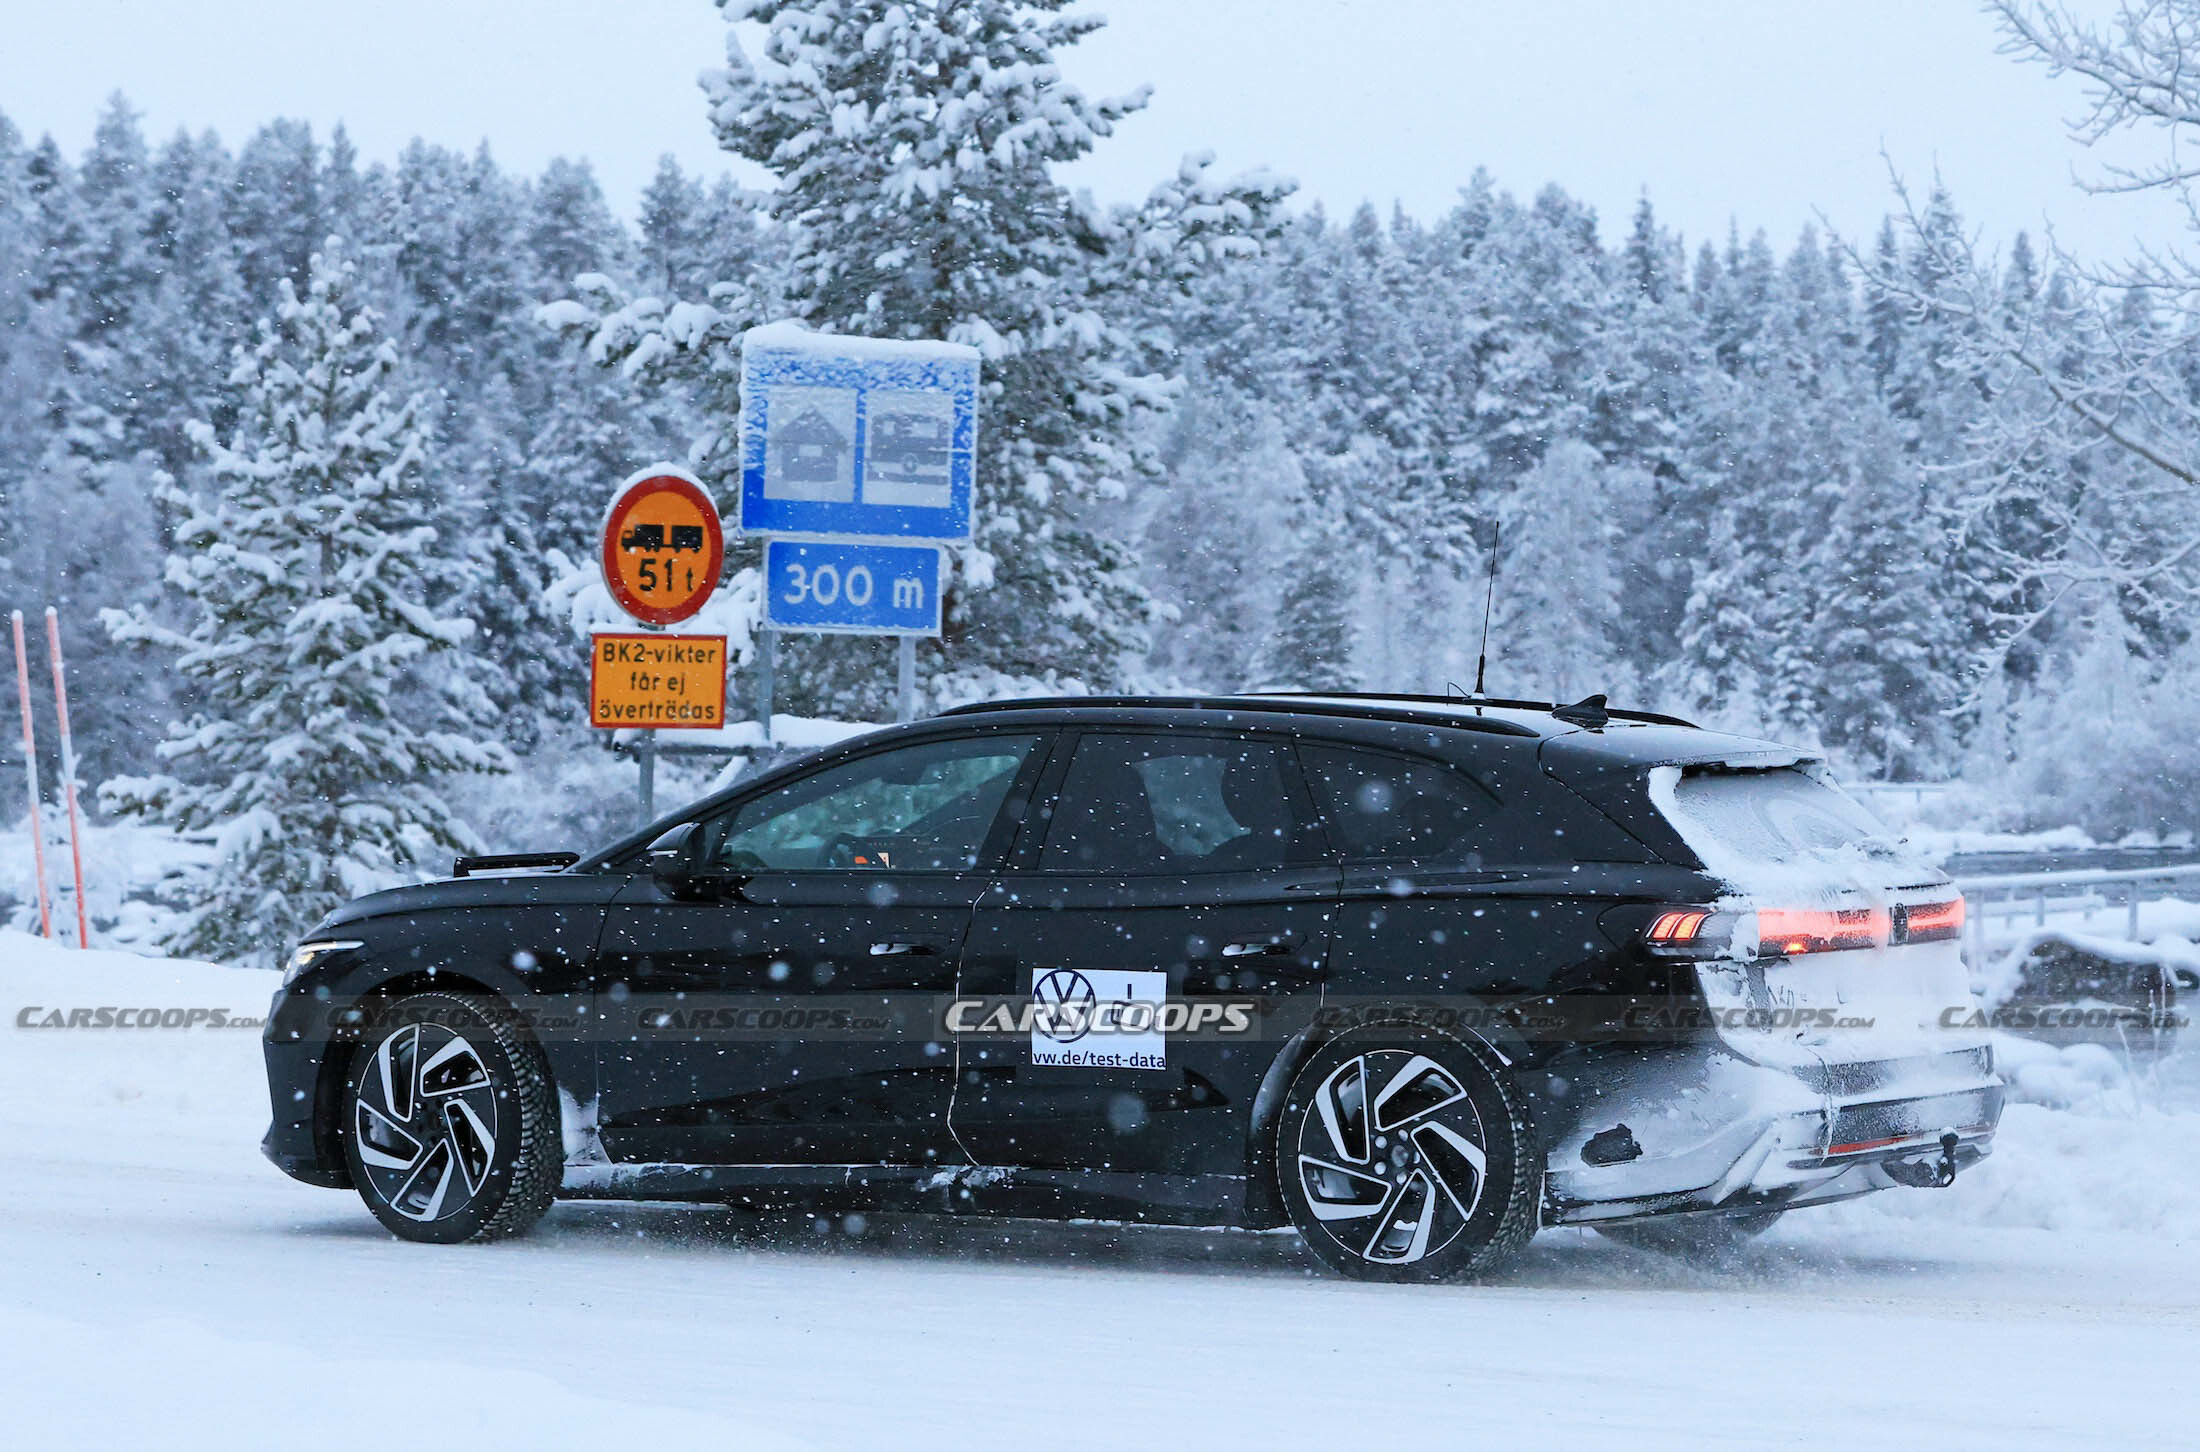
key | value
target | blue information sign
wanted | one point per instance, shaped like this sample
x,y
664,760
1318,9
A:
x,y
856,436
851,587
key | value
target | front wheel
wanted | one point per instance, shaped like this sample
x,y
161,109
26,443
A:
x,y
450,1122
1405,1156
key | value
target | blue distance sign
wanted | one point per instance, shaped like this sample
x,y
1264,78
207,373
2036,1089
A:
x,y
851,588
858,437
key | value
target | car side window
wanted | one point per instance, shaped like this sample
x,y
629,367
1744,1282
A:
x,y
1384,808
1136,804
925,808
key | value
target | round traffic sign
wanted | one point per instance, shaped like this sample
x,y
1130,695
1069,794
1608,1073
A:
x,y
662,547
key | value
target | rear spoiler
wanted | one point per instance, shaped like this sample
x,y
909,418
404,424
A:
x,y
510,861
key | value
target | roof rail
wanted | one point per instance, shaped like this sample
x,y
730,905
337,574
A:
x,y
1361,707
1547,707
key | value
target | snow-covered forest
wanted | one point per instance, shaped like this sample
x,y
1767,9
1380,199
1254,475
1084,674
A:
x,y
1916,496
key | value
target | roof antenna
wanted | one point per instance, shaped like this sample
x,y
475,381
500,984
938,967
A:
x,y
1482,662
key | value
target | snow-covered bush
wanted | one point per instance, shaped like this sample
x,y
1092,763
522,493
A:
x,y
2109,745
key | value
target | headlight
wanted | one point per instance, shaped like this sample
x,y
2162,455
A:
x,y
308,954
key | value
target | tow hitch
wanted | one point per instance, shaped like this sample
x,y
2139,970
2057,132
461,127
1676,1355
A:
x,y
1926,1174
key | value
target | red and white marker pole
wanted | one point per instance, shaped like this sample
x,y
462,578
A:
x,y
68,776
30,775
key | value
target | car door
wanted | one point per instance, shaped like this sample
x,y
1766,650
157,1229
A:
x,y
1170,868
784,1006
1455,882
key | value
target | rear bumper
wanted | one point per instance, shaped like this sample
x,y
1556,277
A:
x,y
1717,1133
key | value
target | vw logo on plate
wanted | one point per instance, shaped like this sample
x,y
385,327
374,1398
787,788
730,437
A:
x,y
1066,1003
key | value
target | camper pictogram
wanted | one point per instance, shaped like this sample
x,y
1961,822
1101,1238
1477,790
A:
x,y
910,448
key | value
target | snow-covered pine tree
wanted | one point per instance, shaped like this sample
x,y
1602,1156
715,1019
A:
x,y
326,698
1313,645
672,231
275,206
1558,595
915,148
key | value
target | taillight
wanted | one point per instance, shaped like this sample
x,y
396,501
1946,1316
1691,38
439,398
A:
x,y
1930,922
1789,931
1696,932
1678,927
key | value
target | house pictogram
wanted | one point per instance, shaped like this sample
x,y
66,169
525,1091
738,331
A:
x,y
808,449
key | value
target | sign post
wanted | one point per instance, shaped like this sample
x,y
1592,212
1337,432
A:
x,y
68,776
858,461
663,550
30,775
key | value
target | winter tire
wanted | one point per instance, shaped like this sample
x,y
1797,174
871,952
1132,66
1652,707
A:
x,y
450,1123
1693,1237
1405,1156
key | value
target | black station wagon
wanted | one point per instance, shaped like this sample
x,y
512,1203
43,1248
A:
x,y
1416,976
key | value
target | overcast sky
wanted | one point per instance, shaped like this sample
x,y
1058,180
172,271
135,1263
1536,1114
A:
x,y
1763,111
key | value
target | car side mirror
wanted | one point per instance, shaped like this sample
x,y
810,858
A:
x,y
675,860
675,856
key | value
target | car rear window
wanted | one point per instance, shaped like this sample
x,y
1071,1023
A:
x,y
1783,815
1383,808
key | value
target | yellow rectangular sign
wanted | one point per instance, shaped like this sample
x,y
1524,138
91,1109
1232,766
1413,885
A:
x,y
668,682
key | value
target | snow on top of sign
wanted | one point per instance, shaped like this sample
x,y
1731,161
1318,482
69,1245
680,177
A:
x,y
794,733
790,334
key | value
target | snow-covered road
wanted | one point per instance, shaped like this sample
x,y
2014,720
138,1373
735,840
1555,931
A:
x,y
161,1285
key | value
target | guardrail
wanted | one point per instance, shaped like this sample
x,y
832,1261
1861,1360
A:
x,y
2016,896
1915,793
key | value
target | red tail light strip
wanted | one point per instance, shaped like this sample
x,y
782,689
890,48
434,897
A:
x,y
1678,927
1932,921
1792,931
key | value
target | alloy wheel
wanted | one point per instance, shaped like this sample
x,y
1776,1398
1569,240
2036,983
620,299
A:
x,y
426,1122
1392,1156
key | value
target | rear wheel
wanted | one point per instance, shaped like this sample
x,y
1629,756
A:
x,y
450,1122
1404,1156
1693,1237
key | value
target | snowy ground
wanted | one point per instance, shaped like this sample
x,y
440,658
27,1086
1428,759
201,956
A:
x,y
161,1284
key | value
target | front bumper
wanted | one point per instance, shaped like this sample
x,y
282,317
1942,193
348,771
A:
x,y
1716,1132
296,1143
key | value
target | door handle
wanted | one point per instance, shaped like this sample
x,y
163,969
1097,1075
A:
x,y
1261,947
905,950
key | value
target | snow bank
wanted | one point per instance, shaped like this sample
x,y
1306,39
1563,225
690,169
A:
x,y
2091,1078
123,864
1942,843
201,1078
1998,980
